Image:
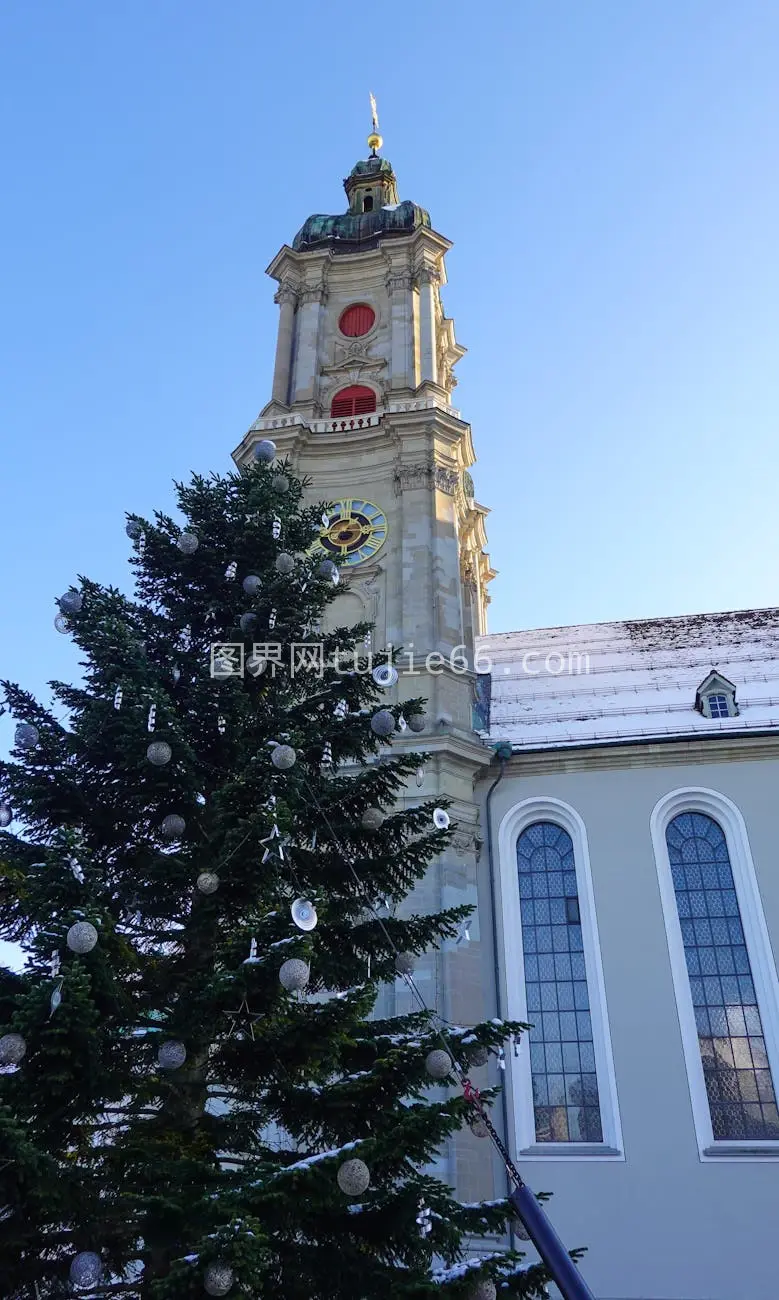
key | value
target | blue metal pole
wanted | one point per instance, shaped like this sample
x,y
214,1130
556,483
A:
x,y
564,1272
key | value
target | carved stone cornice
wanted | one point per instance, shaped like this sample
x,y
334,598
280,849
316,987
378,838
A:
x,y
314,293
426,474
287,291
401,282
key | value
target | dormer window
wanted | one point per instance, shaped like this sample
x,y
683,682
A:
x,y
716,697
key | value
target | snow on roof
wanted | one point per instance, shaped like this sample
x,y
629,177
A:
x,y
602,683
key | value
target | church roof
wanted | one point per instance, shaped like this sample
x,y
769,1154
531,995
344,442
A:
x,y
351,230
632,680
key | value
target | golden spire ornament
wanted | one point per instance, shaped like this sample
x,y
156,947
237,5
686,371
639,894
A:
x,y
374,139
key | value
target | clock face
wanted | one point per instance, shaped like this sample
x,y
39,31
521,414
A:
x,y
356,531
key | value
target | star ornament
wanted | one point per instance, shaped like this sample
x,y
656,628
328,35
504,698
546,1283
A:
x,y
242,1019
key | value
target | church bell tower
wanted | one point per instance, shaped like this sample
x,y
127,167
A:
x,y
362,404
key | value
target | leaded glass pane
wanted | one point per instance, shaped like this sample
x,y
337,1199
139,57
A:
x,y
562,1055
730,1032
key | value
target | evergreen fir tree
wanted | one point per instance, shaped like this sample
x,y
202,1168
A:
x,y
182,1124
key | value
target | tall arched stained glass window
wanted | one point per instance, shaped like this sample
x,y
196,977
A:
x,y
738,1079
566,1104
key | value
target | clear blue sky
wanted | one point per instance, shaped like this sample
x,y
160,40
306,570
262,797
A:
x,y
608,172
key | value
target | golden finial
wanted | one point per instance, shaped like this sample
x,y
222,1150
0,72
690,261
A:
x,y
374,139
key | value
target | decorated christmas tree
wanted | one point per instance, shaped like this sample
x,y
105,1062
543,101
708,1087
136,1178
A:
x,y
207,856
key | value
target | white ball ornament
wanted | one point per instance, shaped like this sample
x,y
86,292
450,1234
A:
x,y
480,1057
218,1279
251,584
478,1127
26,736
280,483
159,753
382,723
6,815
417,722
328,570
372,819
173,826
353,1177
404,963
71,602
285,563
438,1064
86,1269
208,882
294,974
171,1055
187,543
483,1290
265,451
81,937
12,1049
283,757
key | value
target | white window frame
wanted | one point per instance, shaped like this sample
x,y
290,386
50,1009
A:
x,y
518,1075
713,804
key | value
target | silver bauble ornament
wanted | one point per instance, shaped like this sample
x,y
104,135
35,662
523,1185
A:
x,y
251,584
159,753
294,974
133,530
280,483
61,624
478,1127
173,826
285,563
81,937
86,1270
328,570
372,819
171,1055
256,665
382,723
6,815
353,1177
283,757
247,623
71,602
480,1057
417,722
265,451
208,882
440,819
438,1064
26,736
304,914
187,543
12,1049
404,963
222,667
218,1278
483,1290
385,676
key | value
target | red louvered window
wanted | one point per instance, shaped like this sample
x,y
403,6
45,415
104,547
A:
x,y
355,400
356,320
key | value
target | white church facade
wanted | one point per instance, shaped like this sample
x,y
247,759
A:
x,y
612,788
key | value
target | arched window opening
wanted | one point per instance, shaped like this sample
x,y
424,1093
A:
x,y
367,203
731,1041
355,400
357,320
566,1102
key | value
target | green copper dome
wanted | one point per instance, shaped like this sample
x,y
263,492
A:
x,y
374,212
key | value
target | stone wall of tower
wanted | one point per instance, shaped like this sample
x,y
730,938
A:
x,y
425,588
